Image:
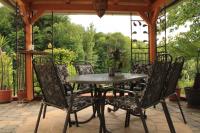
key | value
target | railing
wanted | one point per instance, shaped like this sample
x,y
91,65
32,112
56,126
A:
x,y
140,58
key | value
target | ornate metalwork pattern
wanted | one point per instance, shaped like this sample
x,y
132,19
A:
x,y
52,88
62,72
80,103
156,81
123,102
142,69
173,76
85,69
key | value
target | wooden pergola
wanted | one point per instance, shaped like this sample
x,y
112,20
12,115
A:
x,y
32,10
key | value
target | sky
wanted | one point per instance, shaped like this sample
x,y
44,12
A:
x,y
120,23
108,23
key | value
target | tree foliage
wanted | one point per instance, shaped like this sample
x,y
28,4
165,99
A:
x,y
186,14
69,39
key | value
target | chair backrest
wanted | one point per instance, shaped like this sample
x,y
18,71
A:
x,y
155,84
63,75
51,86
62,72
142,69
173,76
83,67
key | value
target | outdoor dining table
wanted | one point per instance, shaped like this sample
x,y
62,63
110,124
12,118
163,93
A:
x,y
104,78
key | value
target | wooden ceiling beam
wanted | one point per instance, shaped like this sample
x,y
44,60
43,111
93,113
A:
x,y
126,8
144,17
24,10
115,2
67,1
155,15
36,16
88,7
148,2
157,4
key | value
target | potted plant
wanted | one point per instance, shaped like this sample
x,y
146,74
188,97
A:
x,y
114,62
193,93
5,91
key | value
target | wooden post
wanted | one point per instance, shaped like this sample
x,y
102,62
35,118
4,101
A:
x,y
152,42
150,18
28,62
152,32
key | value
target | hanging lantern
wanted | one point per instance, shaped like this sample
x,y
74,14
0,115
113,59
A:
x,y
100,6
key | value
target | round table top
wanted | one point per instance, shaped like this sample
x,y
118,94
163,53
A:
x,y
104,78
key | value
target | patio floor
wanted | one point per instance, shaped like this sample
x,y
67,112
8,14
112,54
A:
x,y
21,118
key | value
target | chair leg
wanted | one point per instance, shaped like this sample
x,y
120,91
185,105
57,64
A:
x,y
70,123
76,119
38,119
66,122
143,120
94,111
141,115
144,113
167,115
44,112
102,108
127,120
179,105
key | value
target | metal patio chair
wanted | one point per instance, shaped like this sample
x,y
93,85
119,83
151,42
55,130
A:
x,y
134,104
68,90
83,67
54,91
137,86
140,69
172,80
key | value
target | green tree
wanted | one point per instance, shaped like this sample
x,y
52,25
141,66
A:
x,y
105,43
6,21
101,51
88,44
185,14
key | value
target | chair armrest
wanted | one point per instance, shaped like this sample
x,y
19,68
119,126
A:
x,y
126,91
121,90
139,87
143,85
83,91
68,88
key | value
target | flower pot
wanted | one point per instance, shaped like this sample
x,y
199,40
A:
x,y
5,96
178,93
192,96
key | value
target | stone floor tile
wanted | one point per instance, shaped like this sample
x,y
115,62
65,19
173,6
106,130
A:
x,y
21,118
